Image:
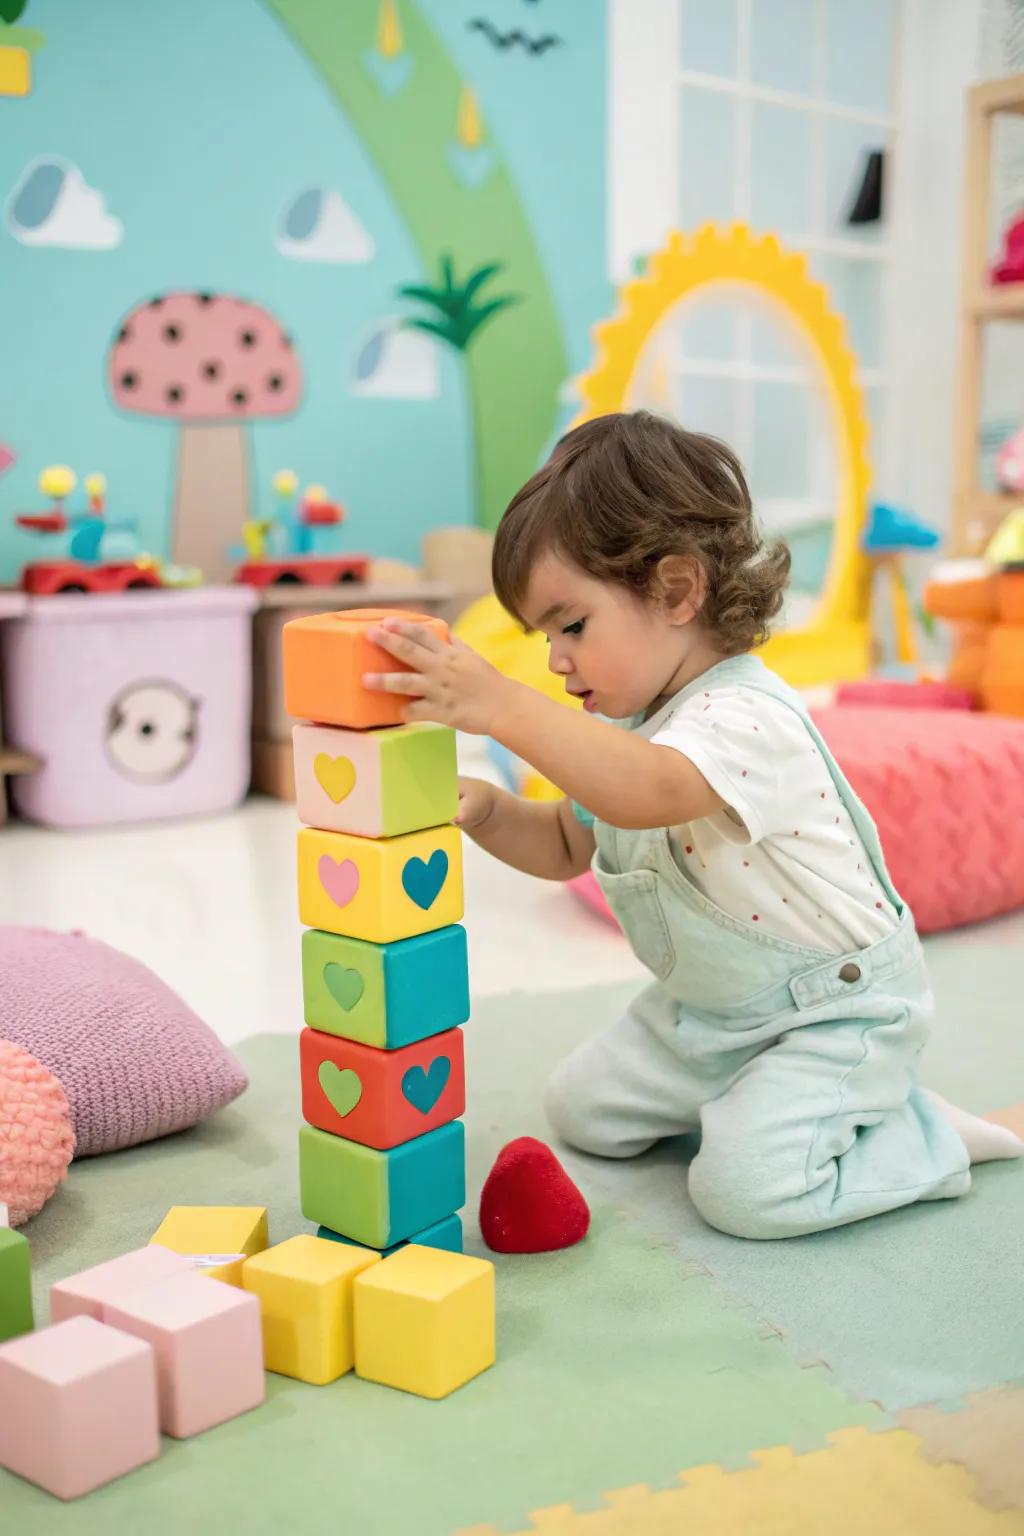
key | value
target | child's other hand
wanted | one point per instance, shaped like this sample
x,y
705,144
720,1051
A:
x,y
448,683
476,802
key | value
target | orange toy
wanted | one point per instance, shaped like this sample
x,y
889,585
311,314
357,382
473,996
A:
x,y
325,658
987,616
381,1098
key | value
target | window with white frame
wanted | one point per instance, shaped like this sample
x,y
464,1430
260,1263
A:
x,y
775,107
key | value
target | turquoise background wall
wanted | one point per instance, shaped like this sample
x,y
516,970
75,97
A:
x,y
197,125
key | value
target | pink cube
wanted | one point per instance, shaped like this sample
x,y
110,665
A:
x,y
208,1343
92,1291
79,1406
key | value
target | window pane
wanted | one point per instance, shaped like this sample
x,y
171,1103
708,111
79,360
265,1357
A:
x,y
780,170
707,405
771,338
847,146
858,54
707,164
855,288
783,44
708,36
706,329
779,458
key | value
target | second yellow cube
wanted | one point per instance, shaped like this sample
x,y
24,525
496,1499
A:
x,y
305,1293
380,889
425,1320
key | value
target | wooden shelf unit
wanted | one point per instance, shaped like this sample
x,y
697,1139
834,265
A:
x,y
976,512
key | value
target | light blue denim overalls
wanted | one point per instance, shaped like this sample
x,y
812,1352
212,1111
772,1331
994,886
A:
x,y
799,1069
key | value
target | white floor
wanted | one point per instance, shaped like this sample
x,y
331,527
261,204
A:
x,y
210,906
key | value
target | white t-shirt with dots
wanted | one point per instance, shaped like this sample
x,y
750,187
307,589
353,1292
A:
x,y
784,854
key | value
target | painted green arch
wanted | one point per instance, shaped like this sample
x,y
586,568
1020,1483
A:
x,y
517,363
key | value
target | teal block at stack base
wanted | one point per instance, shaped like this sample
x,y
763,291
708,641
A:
x,y
15,1285
445,1234
385,995
379,1198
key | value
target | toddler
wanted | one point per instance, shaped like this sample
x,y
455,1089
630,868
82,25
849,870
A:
x,y
790,1001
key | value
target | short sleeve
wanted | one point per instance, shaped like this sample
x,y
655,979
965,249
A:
x,y
751,749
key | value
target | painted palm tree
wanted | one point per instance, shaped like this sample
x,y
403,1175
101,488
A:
x,y
513,372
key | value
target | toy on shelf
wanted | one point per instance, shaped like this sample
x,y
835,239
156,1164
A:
x,y
283,549
890,535
90,564
382,1152
1010,266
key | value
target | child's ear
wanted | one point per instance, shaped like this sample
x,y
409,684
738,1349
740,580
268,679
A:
x,y
682,584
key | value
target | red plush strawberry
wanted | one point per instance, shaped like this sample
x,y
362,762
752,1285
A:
x,y
529,1203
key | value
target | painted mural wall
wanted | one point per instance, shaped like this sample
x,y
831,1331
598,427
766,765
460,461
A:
x,y
364,241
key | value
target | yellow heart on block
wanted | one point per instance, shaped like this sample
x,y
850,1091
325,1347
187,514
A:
x,y
335,775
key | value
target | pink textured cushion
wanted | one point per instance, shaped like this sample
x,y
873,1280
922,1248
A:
x,y
947,793
133,1060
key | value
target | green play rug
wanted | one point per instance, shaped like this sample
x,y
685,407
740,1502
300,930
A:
x,y
654,1346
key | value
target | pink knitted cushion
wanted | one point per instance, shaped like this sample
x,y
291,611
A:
x,y
947,793
134,1061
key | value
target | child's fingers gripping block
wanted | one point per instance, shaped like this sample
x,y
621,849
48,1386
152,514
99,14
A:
x,y
380,890
304,1288
381,1098
325,659
376,783
425,1321
379,1198
374,992
78,1406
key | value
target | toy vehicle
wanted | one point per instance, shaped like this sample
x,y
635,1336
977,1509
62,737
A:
x,y
281,548
83,569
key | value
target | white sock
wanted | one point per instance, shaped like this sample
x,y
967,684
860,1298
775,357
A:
x,y
984,1141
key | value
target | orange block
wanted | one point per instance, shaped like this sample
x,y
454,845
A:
x,y
325,657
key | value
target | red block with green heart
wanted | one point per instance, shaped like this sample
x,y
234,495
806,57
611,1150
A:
x,y
381,1098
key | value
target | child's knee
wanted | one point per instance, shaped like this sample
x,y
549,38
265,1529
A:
x,y
574,1112
732,1194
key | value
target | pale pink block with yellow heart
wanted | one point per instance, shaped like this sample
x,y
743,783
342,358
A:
x,y
380,783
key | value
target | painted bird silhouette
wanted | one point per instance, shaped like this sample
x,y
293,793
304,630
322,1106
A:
x,y
506,40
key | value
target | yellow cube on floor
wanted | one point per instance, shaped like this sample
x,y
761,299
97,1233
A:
x,y
380,889
305,1294
209,1230
425,1320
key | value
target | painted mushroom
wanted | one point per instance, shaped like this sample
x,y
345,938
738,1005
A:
x,y
213,364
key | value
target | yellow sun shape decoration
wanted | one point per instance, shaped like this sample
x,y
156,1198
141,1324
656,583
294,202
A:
x,y
836,643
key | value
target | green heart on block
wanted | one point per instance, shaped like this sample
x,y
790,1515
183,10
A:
x,y
345,985
342,1086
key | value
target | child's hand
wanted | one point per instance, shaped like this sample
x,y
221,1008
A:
x,y
448,683
476,802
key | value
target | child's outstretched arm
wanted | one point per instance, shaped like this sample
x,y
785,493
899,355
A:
x,y
618,776
543,839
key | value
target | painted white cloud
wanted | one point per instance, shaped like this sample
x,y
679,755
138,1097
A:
x,y
319,225
395,363
53,204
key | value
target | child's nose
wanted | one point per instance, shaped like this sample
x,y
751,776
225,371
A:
x,y
559,663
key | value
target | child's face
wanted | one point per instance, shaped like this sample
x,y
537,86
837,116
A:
x,y
615,650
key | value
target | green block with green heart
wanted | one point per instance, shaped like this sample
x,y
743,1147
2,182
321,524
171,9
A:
x,y
378,1198
385,995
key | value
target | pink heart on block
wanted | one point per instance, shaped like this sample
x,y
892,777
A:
x,y
339,880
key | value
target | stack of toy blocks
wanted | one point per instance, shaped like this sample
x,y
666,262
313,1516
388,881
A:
x,y
385,983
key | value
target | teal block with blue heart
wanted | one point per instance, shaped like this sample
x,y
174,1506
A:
x,y
445,1234
385,995
378,1198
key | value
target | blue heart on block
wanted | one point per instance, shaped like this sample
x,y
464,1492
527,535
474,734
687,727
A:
x,y
422,881
423,1086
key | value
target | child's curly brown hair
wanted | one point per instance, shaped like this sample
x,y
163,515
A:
x,y
621,492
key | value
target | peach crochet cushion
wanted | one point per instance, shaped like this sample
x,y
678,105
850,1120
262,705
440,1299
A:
x,y
36,1139
134,1061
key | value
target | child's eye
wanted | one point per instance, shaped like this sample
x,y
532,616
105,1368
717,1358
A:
x,y
574,629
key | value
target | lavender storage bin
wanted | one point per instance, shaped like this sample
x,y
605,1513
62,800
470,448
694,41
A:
x,y
138,703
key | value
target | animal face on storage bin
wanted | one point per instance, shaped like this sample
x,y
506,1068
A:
x,y
380,890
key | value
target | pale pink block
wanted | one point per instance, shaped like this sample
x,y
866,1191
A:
x,y
78,1406
92,1291
360,811
208,1344
349,793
